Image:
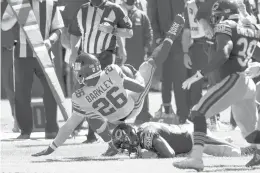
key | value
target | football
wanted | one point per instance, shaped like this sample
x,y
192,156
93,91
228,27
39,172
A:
x,y
127,71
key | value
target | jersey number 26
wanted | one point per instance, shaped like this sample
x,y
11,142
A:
x,y
104,104
247,52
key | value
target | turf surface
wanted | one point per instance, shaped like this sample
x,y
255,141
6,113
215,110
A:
x,y
75,157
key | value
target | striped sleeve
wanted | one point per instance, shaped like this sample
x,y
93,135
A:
x,y
74,28
79,111
123,19
57,21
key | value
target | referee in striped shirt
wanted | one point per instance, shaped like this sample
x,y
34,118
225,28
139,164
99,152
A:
x,y
97,28
50,24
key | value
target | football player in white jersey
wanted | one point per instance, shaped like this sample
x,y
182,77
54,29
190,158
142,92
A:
x,y
109,95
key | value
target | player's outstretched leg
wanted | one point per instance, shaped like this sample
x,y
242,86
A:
x,y
147,68
161,52
220,147
101,127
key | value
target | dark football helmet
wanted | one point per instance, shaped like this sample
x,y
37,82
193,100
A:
x,y
217,10
86,67
125,137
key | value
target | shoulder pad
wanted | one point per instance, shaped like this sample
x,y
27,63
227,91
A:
x,y
223,28
231,23
114,67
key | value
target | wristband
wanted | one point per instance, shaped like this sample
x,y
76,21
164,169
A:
x,y
53,146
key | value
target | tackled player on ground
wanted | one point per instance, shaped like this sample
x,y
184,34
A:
x,y
109,95
160,140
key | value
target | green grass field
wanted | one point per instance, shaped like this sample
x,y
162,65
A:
x,y
75,157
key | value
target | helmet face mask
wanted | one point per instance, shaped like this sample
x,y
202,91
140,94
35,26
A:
x,y
125,137
216,17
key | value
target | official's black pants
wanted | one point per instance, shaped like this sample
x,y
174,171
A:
x,y
25,68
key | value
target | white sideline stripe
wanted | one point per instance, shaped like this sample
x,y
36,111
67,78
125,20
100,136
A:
x,y
31,27
10,135
16,7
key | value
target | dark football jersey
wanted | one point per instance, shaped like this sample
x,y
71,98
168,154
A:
x,y
179,139
244,38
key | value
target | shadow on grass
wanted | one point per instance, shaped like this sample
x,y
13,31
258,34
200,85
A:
x,y
231,168
46,145
15,139
82,159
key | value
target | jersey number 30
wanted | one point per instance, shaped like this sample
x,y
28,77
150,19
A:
x,y
247,52
104,104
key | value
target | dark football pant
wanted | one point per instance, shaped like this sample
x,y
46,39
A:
x,y
173,75
199,60
25,68
7,76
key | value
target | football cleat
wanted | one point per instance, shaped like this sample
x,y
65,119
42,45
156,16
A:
x,y
255,160
176,27
249,150
190,163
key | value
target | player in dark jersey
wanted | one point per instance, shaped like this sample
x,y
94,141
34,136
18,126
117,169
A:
x,y
235,41
153,139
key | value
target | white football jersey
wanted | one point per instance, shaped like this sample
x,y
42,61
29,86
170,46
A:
x,y
108,98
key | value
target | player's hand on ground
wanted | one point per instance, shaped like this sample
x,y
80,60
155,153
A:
x,y
187,83
47,43
187,61
45,152
253,69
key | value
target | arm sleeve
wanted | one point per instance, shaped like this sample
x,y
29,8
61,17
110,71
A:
x,y
148,32
123,19
57,21
8,15
74,28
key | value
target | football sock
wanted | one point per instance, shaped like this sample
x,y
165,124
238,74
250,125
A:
x,y
197,151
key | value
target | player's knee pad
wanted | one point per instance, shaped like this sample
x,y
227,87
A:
x,y
254,137
101,127
199,121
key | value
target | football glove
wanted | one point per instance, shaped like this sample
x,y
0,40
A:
x,y
187,83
